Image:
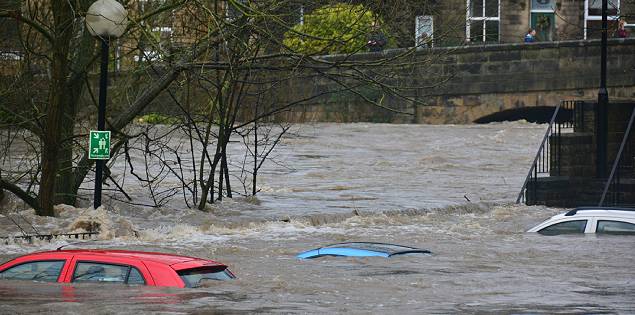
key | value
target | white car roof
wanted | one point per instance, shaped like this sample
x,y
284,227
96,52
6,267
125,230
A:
x,y
621,214
599,212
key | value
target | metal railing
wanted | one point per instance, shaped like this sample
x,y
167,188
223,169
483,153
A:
x,y
568,115
48,237
614,188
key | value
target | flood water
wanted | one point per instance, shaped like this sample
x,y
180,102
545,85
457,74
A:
x,y
404,184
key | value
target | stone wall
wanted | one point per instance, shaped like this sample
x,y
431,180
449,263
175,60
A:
x,y
514,21
574,152
481,80
570,19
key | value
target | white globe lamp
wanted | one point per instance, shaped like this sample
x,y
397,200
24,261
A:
x,y
106,18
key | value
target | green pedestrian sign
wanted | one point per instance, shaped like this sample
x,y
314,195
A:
x,y
99,148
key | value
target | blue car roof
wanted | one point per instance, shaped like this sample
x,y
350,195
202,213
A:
x,y
361,249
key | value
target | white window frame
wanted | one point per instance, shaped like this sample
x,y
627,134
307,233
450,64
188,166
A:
x,y
301,14
148,55
117,56
483,18
162,29
11,55
588,17
417,29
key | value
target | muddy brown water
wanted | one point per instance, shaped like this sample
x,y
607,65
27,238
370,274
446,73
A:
x,y
407,185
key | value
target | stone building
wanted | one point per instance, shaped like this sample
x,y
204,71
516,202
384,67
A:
x,y
454,22
507,21
446,22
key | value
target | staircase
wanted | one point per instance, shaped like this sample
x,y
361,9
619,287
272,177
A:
x,y
563,173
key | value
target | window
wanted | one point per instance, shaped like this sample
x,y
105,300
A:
x,y
135,277
424,31
158,31
483,18
594,8
47,271
543,19
148,55
193,277
10,55
569,227
100,272
593,16
236,10
615,227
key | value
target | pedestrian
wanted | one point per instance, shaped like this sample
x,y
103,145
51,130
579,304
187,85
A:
x,y
621,29
530,37
377,39
424,40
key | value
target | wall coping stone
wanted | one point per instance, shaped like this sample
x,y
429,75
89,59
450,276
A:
x,y
395,52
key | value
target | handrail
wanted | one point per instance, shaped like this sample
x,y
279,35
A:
x,y
618,158
30,237
542,145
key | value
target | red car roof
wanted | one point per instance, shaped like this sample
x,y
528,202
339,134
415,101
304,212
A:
x,y
168,259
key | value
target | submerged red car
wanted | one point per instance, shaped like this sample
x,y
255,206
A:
x,y
114,266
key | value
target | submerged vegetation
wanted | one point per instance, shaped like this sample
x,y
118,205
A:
x,y
219,67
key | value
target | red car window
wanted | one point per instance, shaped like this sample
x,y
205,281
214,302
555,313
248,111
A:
x,y
103,272
48,271
123,269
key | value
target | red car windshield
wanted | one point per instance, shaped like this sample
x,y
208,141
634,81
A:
x,y
193,277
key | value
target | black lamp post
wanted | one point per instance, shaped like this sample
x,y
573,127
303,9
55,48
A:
x,y
603,102
105,19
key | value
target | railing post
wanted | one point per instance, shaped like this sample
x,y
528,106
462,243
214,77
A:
x,y
559,137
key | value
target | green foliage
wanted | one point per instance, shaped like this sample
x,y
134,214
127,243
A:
x,y
339,28
156,118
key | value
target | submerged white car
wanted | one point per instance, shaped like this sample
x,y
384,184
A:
x,y
598,220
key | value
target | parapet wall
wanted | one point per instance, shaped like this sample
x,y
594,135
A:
x,y
481,80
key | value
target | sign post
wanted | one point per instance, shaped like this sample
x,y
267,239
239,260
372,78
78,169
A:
x,y
99,148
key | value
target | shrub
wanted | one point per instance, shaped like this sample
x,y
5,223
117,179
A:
x,y
339,28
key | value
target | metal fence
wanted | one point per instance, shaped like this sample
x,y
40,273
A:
x,y
567,117
618,185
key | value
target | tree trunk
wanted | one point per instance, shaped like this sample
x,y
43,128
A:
x,y
58,98
228,186
82,50
208,188
220,180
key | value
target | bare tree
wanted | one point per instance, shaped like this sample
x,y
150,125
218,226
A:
x,y
221,67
